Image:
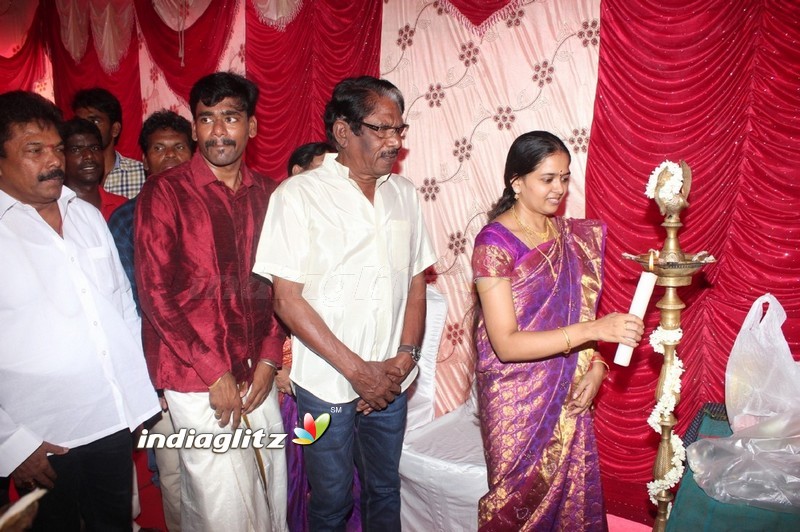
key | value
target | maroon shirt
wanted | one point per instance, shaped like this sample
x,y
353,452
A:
x,y
204,312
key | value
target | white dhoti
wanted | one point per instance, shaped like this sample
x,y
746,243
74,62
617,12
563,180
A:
x,y
224,491
169,475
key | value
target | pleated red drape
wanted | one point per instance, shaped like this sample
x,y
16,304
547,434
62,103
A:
x,y
715,83
297,69
29,64
70,76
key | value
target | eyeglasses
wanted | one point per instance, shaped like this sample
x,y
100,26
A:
x,y
386,132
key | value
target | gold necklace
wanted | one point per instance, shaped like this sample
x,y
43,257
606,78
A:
x,y
530,232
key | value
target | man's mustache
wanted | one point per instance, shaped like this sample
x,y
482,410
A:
x,y
52,174
225,142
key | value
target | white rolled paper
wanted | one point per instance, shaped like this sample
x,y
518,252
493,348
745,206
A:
x,y
641,298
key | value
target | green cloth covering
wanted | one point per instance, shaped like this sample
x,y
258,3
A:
x,y
695,511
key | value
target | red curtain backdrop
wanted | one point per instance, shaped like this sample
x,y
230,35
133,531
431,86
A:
x,y
297,69
204,43
29,64
714,83
69,77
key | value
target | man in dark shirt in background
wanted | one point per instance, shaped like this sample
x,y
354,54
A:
x,y
166,141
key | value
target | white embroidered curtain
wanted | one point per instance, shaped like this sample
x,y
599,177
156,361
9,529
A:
x,y
467,98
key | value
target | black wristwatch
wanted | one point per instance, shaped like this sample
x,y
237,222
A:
x,y
412,350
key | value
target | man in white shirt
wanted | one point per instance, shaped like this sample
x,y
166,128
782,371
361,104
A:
x,y
74,378
345,247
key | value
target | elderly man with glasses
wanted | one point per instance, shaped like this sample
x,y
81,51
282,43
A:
x,y
345,247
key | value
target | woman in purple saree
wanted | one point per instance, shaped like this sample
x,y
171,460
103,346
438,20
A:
x,y
539,278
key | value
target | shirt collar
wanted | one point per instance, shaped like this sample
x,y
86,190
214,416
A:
x,y
117,159
340,170
7,202
202,174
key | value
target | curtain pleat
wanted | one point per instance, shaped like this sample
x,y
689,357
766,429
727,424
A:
x,y
716,84
297,68
27,66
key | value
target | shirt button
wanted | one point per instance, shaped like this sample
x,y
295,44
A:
x,y
105,353
72,259
83,290
94,323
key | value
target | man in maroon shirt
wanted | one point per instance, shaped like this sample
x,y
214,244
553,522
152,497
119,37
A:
x,y
210,337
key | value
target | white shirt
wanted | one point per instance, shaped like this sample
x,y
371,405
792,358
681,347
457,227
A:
x,y
355,260
71,362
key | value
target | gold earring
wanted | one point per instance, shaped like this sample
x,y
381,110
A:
x,y
516,194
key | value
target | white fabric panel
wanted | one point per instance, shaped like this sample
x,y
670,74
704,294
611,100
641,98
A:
x,y
422,394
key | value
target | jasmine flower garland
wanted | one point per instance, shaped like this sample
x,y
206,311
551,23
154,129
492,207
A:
x,y
670,187
664,407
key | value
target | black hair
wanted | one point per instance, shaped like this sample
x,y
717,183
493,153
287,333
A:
x,y
79,126
354,99
165,119
23,107
100,99
525,155
214,88
305,153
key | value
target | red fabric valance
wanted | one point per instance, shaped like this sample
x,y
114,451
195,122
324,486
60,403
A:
x,y
478,15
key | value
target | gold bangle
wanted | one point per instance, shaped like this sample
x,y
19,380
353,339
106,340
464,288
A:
x,y
598,358
566,337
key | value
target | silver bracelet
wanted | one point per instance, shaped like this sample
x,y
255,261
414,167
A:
x,y
269,363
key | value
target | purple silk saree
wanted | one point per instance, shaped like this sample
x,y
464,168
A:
x,y
543,466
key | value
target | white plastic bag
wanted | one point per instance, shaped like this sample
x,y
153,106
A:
x,y
759,464
762,379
